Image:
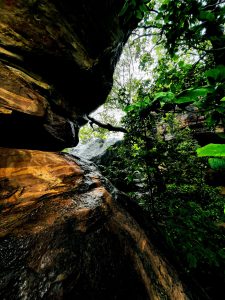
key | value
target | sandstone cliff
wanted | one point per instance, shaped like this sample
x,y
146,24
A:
x,y
56,64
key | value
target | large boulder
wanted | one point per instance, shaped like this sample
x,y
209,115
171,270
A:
x,y
64,234
97,150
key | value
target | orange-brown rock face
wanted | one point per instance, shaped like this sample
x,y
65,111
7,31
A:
x,y
56,65
63,235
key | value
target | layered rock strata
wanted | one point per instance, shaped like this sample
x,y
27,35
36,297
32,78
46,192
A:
x,y
56,64
64,235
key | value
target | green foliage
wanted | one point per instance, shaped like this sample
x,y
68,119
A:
x,y
188,24
136,8
212,150
157,165
168,180
217,163
193,28
189,223
217,74
193,94
87,132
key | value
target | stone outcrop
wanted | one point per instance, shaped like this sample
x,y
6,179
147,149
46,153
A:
x,y
97,150
56,64
65,235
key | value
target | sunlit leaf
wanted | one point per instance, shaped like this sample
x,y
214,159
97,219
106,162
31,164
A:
x,y
160,95
182,100
216,150
166,96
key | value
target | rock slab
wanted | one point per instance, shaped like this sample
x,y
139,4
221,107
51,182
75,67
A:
x,y
65,235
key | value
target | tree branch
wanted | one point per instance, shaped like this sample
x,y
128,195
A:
x,y
149,27
106,126
143,35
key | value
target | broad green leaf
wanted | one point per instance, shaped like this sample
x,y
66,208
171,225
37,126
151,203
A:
x,y
181,63
137,105
198,92
165,96
129,108
207,15
216,150
182,100
146,99
223,99
217,163
193,94
203,91
170,95
142,104
217,73
160,95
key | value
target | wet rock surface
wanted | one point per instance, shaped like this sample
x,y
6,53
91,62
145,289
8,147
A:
x,y
65,235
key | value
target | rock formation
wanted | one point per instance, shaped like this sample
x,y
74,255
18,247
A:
x,y
97,150
64,233
56,64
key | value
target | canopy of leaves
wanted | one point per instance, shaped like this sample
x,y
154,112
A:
x,y
171,77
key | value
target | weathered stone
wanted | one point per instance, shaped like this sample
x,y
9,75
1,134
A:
x,y
56,64
65,235
97,150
